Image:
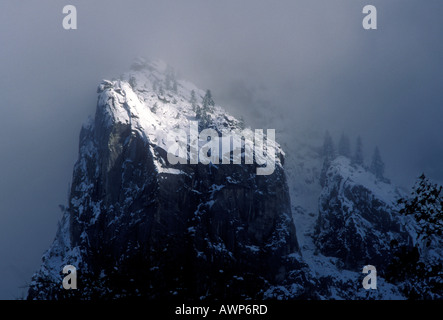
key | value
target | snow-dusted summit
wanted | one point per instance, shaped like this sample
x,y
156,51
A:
x,y
139,226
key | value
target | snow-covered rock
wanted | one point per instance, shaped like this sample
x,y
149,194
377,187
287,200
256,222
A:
x,y
358,217
137,225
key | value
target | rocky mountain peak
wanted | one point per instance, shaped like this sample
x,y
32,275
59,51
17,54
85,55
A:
x,y
138,225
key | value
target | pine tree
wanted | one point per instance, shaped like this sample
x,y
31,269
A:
x,y
426,206
358,156
198,113
207,100
377,165
203,117
203,113
328,153
241,123
344,146
193,101
417,273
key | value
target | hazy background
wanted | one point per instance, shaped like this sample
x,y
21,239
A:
x,y
309,63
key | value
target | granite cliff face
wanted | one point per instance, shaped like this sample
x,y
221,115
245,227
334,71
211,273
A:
x,y
137,226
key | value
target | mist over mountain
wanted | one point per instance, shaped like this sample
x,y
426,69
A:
x,y
140,223
300,67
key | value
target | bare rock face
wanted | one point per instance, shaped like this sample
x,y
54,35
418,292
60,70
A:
x,y
137,226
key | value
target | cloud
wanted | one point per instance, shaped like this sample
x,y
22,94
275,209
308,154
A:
x,y
302,61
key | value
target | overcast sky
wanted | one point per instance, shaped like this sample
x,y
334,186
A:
x,y
308,62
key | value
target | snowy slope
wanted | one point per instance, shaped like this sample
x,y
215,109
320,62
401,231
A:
x,y
319,237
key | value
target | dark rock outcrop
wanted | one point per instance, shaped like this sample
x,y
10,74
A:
x,y
358,217
137,226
